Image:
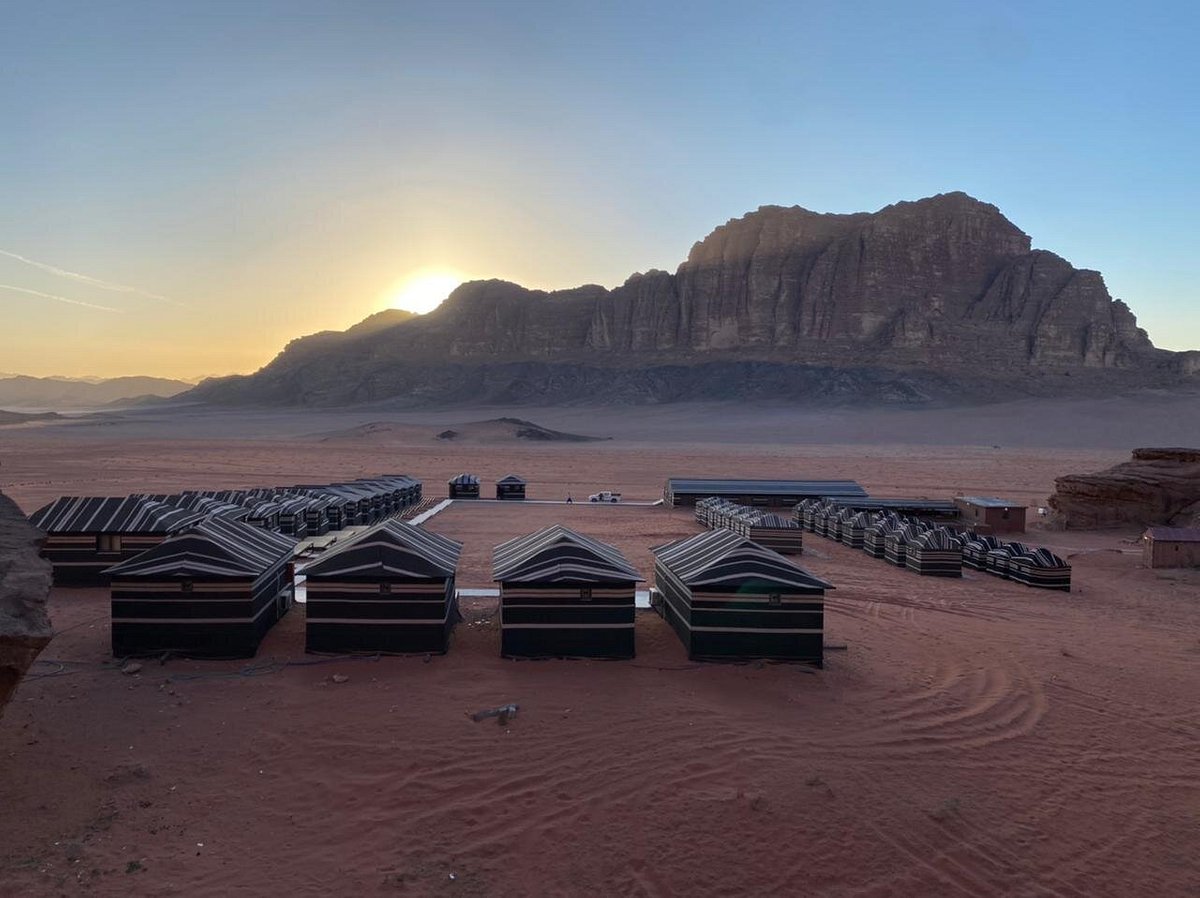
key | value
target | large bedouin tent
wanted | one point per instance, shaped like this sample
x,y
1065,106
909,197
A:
x,y
563,594
389,589
86,535
211,591
729,598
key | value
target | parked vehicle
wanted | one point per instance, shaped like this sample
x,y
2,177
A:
x,y
605,496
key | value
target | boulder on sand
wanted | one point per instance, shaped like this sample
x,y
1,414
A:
x,y
24,585
1156,487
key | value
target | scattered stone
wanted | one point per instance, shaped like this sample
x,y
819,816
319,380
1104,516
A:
x,y
132,667
340,678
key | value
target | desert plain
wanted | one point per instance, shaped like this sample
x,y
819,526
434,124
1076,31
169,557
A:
x,y
965,737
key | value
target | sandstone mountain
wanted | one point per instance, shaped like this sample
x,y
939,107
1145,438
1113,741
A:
x,y
938,297
20,391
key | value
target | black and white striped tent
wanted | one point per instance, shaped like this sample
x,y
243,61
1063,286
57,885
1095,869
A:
x,y
875,539
389,589
935,553
86,535
510,487
975,551
895,544
563,594
463,486
998,560
728,598
854,529
211,591
774,531
1040,568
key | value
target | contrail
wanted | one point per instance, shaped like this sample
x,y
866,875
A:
x,y
74,302
88,279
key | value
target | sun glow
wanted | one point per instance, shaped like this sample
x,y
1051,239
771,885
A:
x,y
423,291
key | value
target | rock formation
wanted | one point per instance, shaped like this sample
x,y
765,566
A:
x,y
1157,486
24,585
942,296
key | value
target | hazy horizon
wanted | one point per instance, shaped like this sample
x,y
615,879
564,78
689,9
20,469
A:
x,y
191,188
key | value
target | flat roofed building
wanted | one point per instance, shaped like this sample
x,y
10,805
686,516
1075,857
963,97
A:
x,y
990,514
688,490
1166,547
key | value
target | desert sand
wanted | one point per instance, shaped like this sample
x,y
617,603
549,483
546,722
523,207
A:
x,y
972,737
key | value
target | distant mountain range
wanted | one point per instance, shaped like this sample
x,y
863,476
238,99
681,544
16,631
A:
x,y
939,298
18,391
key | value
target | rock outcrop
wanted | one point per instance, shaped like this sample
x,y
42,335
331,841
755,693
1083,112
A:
x,y
939,296
24,586
1157,486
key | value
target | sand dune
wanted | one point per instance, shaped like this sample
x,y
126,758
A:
x,y
973,738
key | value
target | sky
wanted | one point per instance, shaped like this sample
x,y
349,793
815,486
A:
x,y
187,186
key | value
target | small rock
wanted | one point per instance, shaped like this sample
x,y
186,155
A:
x,y
340,678
132,667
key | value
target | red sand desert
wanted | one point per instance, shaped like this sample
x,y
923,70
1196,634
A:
x,y
965,738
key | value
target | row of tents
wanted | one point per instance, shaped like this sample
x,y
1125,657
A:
x,y
87,535
217,588
768,529
931,549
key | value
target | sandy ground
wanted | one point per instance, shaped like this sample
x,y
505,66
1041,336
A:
x,y
972,738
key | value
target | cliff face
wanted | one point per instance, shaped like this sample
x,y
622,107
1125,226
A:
x,y
945,285
24,585
1156,486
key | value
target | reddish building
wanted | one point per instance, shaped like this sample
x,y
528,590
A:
x,y
987,514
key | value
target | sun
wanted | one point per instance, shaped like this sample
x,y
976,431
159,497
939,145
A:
x,y
423,291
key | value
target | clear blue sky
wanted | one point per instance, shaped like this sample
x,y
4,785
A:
x,y
272,169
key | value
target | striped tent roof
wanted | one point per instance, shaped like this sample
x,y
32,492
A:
x,y
390,548
558,554
464,480
1012,550
774,522
718,557
213,548
511,478
938,539
100,514
1043,558
204,504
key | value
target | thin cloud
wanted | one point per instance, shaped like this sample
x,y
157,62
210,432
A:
x,y
57,298
88,279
